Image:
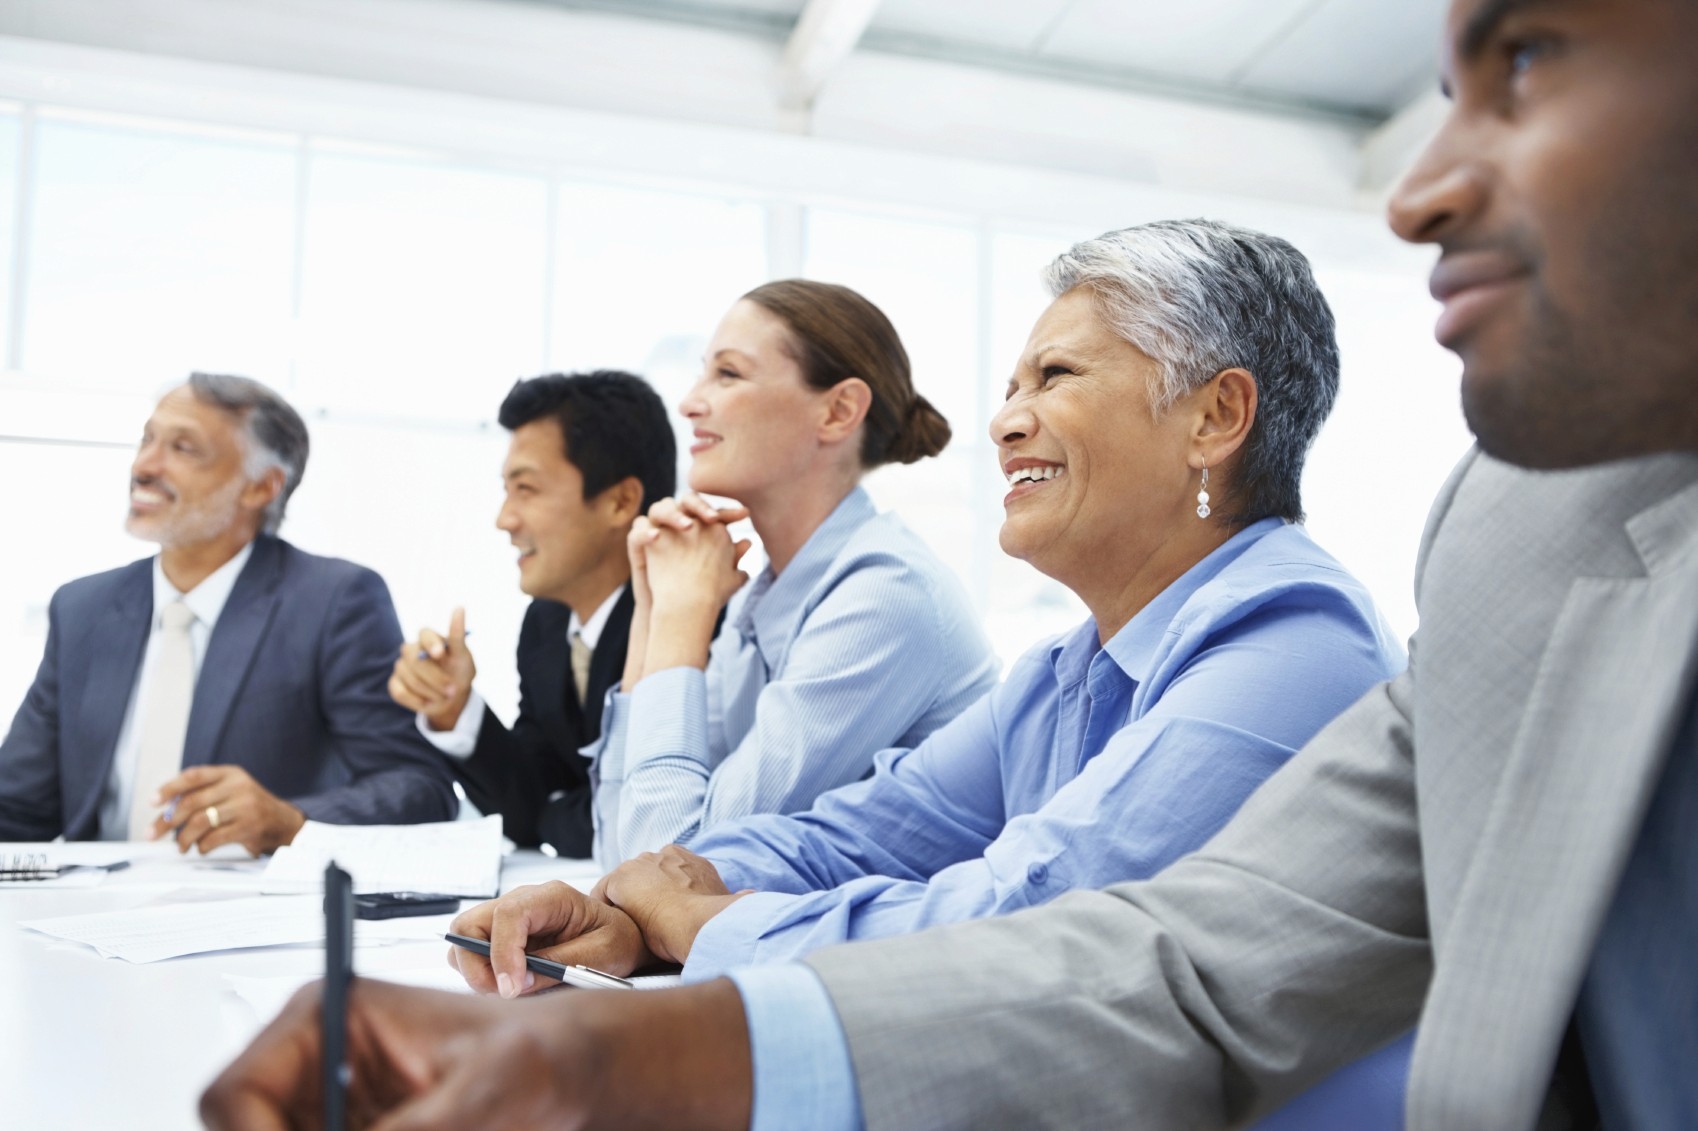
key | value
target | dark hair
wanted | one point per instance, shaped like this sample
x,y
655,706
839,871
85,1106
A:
x,y
838,334
613,423
1200,296
277,436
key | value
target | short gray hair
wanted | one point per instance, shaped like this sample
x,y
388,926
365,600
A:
x,y
277,436
1199,296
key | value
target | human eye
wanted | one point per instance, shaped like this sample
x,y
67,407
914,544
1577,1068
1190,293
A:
x,y
1052,372
726,373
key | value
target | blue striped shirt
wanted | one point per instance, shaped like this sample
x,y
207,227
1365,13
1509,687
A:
x,y
865,641
1089,766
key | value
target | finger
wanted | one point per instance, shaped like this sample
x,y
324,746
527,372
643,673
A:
x,y
741,548
667,513
457,630
699,509
475,968
231,829
426,680
733,512
402,694
195,777
432,644
274,1083
509,939
191,830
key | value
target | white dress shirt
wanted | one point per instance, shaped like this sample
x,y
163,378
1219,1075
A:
x,y
206,601
459,740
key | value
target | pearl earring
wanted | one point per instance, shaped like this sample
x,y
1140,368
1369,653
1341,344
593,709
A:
x,y
1203,495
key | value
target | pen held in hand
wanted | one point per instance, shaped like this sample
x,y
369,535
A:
x,y
584,977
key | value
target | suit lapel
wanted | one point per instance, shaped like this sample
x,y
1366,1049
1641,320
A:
x,y
230,651
1613,688
607,664
115,651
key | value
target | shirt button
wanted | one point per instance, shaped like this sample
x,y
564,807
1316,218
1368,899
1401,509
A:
x,y
1038,873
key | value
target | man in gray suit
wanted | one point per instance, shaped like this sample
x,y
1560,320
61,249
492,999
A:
x,y
230,688
1502,844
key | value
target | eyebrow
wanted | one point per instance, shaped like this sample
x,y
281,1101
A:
x,y
1484,23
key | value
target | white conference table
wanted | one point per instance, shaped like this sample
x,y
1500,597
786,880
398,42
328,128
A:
x,y
88,1042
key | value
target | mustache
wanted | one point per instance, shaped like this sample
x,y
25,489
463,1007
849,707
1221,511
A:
x,y
154,483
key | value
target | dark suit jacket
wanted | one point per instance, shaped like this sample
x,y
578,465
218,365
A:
x,y
292,689
514,772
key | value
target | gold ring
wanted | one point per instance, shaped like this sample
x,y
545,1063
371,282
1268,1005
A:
x,y
212,815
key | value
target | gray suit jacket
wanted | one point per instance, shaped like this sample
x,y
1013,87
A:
x,y
292,689
1445,850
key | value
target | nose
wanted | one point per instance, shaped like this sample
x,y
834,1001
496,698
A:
x,y
149,461
1014,421
505,519
694,404
1442,192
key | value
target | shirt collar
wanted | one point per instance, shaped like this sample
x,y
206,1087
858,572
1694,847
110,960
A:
x,y
775,600
206,600
1134,648
590,629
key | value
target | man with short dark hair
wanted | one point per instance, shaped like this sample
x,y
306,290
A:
x,y
1501,844
230,688
589,453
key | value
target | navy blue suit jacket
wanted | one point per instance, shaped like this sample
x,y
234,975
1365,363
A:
x,y
292,689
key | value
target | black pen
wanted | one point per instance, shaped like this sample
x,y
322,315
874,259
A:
x,y
584,977
333,1007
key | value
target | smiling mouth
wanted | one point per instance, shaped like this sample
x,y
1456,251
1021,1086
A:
x,y
1024,480
148,498
1470,284
704,441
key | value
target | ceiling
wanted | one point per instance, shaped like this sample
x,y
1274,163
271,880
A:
x,y
1360,59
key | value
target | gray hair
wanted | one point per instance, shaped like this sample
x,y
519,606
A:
x,y
1199,296
277,436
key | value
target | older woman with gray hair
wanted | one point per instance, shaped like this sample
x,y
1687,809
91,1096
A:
x,y
1152,437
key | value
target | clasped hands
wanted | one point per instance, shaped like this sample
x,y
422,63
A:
x,y
648,909
684,567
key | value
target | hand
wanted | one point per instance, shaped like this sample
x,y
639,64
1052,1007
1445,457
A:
x,y
553,920
433,675
422,1060
670,894
224,805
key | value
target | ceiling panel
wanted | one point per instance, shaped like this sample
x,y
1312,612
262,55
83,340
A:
x,y
1373,53
1199,41
1006,25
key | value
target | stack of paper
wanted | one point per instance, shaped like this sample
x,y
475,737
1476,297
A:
x,y
80,864
148,934
460,858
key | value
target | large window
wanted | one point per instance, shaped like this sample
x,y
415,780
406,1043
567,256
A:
x,y
154,251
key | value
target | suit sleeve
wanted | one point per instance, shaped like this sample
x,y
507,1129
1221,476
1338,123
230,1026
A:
x,y
396,778
30,806
1176,998
513,771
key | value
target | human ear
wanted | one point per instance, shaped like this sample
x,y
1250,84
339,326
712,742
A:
x,y
259,493
846,405
1225,409
622,502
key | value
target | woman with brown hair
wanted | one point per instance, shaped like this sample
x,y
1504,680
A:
x,y
854,638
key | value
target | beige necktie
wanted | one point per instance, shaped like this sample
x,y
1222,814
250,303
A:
x,y
164,715
580,666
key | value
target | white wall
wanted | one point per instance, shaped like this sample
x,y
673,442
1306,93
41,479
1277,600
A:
x,y
392,208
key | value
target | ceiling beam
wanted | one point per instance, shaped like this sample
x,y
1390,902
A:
x,y
1391,148
825,34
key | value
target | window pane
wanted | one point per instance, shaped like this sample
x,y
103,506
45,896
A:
x,y
642,278
423,287
1024,605
9,140
155,253
74,529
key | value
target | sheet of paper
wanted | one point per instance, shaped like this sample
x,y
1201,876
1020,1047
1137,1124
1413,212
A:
x,y
268,995
149,934
450,857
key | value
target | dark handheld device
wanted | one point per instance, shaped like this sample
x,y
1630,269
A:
x,y
333,1007
396,904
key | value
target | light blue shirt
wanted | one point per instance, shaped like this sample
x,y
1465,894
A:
x,y
1089,766
866,640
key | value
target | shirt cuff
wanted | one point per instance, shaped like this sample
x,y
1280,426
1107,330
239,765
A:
x,y
732,937
803,1074
667,710
461,739
607,752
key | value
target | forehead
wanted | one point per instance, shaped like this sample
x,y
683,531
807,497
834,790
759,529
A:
x,y
539,446
1072,320
750,328
180,410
